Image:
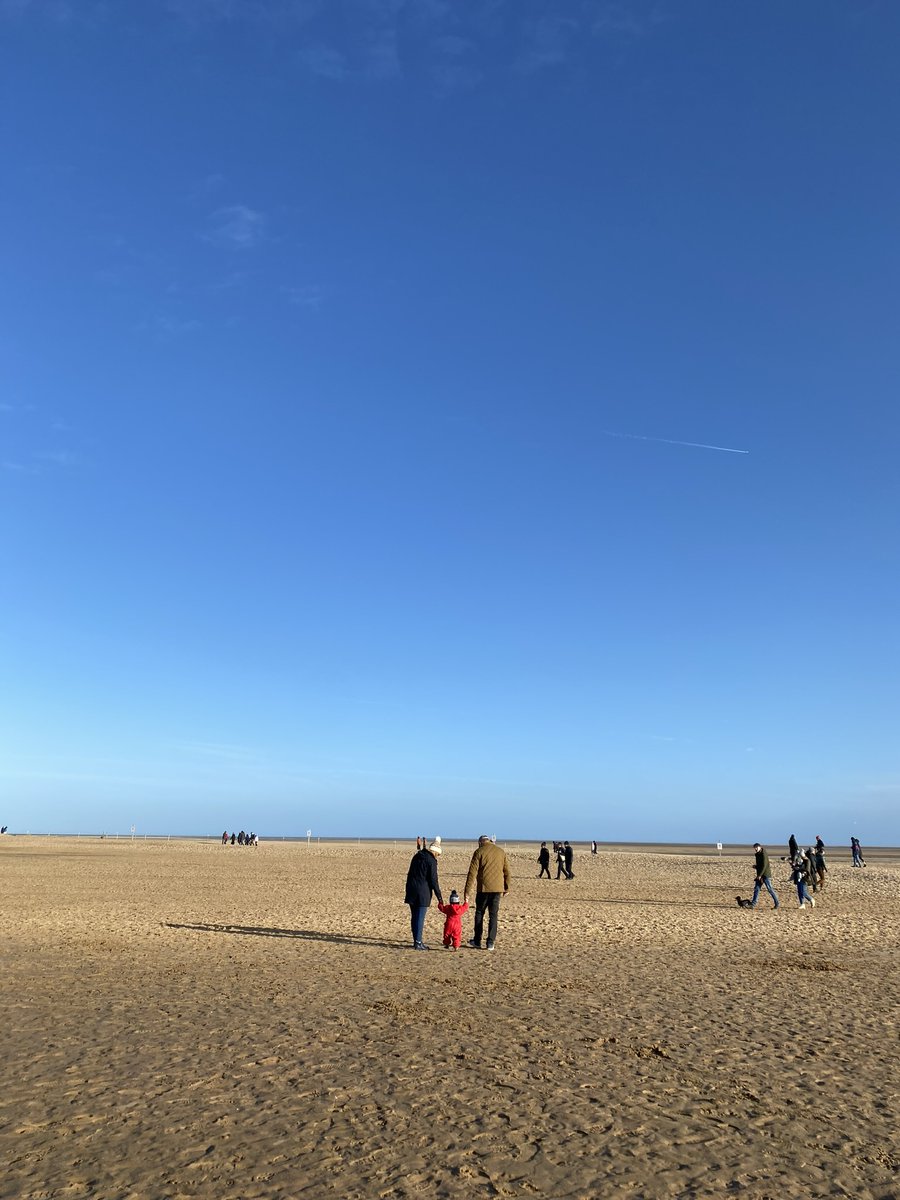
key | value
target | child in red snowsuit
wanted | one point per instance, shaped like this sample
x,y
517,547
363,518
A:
x,y
453,911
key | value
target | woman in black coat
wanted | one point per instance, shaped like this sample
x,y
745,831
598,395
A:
x,y
421,885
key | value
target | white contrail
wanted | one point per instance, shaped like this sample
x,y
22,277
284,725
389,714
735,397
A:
x,y
639,437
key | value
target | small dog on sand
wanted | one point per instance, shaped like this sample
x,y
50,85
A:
x,y
745,903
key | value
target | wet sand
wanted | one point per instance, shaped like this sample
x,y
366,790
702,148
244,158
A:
x,y
183,1019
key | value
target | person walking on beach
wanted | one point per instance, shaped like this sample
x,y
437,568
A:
x,y
488,879
763,876
793,848
453,911
561,872
568,858
856,851
421,884
812,875
821,868
544,860
800,869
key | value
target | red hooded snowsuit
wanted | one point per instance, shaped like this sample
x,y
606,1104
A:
x,y
453,923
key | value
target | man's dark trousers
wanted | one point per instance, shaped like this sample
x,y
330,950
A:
x,y
491,902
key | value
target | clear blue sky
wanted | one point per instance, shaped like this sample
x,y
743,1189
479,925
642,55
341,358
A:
x,y
348,350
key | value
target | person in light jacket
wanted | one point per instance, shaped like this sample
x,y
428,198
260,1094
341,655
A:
x,y
488,879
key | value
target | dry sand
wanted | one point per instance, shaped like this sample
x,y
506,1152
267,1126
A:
x,y
189,1020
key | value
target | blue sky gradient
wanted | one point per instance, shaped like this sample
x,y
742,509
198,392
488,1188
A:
x,y
348,356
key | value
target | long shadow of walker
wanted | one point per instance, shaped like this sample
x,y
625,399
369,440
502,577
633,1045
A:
x,y
306,935
641,901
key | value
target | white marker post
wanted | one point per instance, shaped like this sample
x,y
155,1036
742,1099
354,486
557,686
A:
x,y
308,837
719,848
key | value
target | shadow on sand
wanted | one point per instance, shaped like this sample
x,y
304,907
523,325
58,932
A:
x,y
643,901
306,935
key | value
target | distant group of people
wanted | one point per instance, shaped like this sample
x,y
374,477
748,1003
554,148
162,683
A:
x,y
487,882
241,839
808,870
565,856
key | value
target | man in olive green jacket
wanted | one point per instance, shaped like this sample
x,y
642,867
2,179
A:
x,y
488,878
763,875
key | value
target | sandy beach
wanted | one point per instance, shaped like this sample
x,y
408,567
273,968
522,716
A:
x,y
183,1019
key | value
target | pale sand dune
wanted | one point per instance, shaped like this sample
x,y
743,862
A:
x,y
186,1020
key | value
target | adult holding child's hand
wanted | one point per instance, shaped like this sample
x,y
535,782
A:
x,y
421,884
488,878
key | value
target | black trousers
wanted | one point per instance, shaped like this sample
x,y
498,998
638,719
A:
x,y
491,902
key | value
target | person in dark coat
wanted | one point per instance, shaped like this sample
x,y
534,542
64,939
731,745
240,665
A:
x,y
544,861
568,856
421,884
561,872
793,848
763,875
812,875
800,870
821,867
